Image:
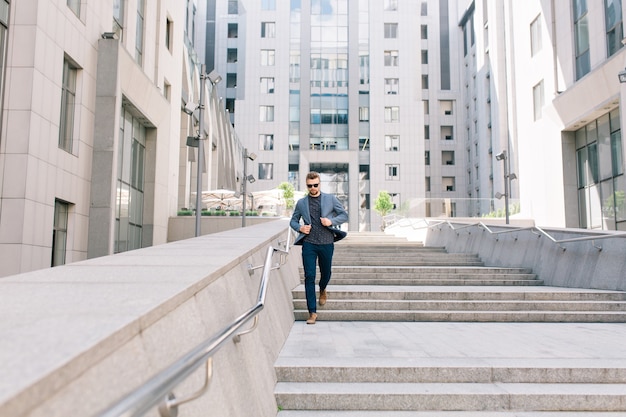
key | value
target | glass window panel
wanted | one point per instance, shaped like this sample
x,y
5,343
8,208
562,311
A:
x,y
617,155
581,138
595,206
583,208
620,198
604,148
593,163
608,205
581,158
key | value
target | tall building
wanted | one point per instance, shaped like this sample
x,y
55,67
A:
x,y
364,91
542,85
93,145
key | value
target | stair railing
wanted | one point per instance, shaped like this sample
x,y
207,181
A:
x,y
158,391
416,224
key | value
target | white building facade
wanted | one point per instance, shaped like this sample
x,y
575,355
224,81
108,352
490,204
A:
x,y
93,155
547,92
366,92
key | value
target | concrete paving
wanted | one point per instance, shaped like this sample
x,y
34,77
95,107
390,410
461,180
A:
x,y
587,345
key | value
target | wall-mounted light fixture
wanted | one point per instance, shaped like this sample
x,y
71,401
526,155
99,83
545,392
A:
x,y
502,156
622,76
246,179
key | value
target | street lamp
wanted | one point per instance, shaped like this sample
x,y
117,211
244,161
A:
x,y
507,179
190,108
246,178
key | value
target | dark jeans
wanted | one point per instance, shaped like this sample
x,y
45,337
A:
x,y
311,254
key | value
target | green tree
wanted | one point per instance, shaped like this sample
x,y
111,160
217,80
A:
x,y
287,194
383,205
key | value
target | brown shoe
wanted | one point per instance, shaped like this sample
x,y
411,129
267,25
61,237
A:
x,y
312,318
323,297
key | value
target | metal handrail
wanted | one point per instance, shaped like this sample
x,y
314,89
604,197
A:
x,y
533,229
158,389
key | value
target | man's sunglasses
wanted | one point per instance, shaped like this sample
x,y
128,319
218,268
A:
x,y
313,185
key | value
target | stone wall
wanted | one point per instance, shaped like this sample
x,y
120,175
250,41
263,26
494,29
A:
x,y
77,338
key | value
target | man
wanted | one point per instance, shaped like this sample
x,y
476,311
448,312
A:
x,y
321,214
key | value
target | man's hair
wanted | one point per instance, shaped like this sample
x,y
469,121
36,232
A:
x,y
312,175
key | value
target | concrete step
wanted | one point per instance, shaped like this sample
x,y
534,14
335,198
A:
x,y
401,370
451,396
436,281
473,305
430,270
386,249
410,262
494,316
380,413
466,293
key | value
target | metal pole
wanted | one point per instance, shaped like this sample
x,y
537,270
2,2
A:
x,y
200,151
243,186
506,186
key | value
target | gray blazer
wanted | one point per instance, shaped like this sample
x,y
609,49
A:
x,y
331,208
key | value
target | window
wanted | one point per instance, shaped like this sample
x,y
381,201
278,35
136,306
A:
x,y
267,85
267,57
448,183
268,29
364,114
231,80
364,68
266,171
118,17
535,36
424,56
391,30
446,132
424,32
392,172
600,168
391,86
68,106
391,58
167,90
447,157
139,35
266,113
427,184
59,232
426,104
446,107
424,9
426,132
390,5
364,143
538,100
426,157
614,25
231,55
130,183
266,142
268,4
74,5
169,27
581,38
233,30
392,114
425,82
230,105
233,6
392,143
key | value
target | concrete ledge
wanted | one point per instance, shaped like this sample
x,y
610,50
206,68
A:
x,y
581,265
76,338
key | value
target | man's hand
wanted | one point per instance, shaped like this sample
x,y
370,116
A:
x,y
325,221
305,228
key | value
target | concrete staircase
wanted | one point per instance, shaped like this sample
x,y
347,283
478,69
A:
x,y
378,278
